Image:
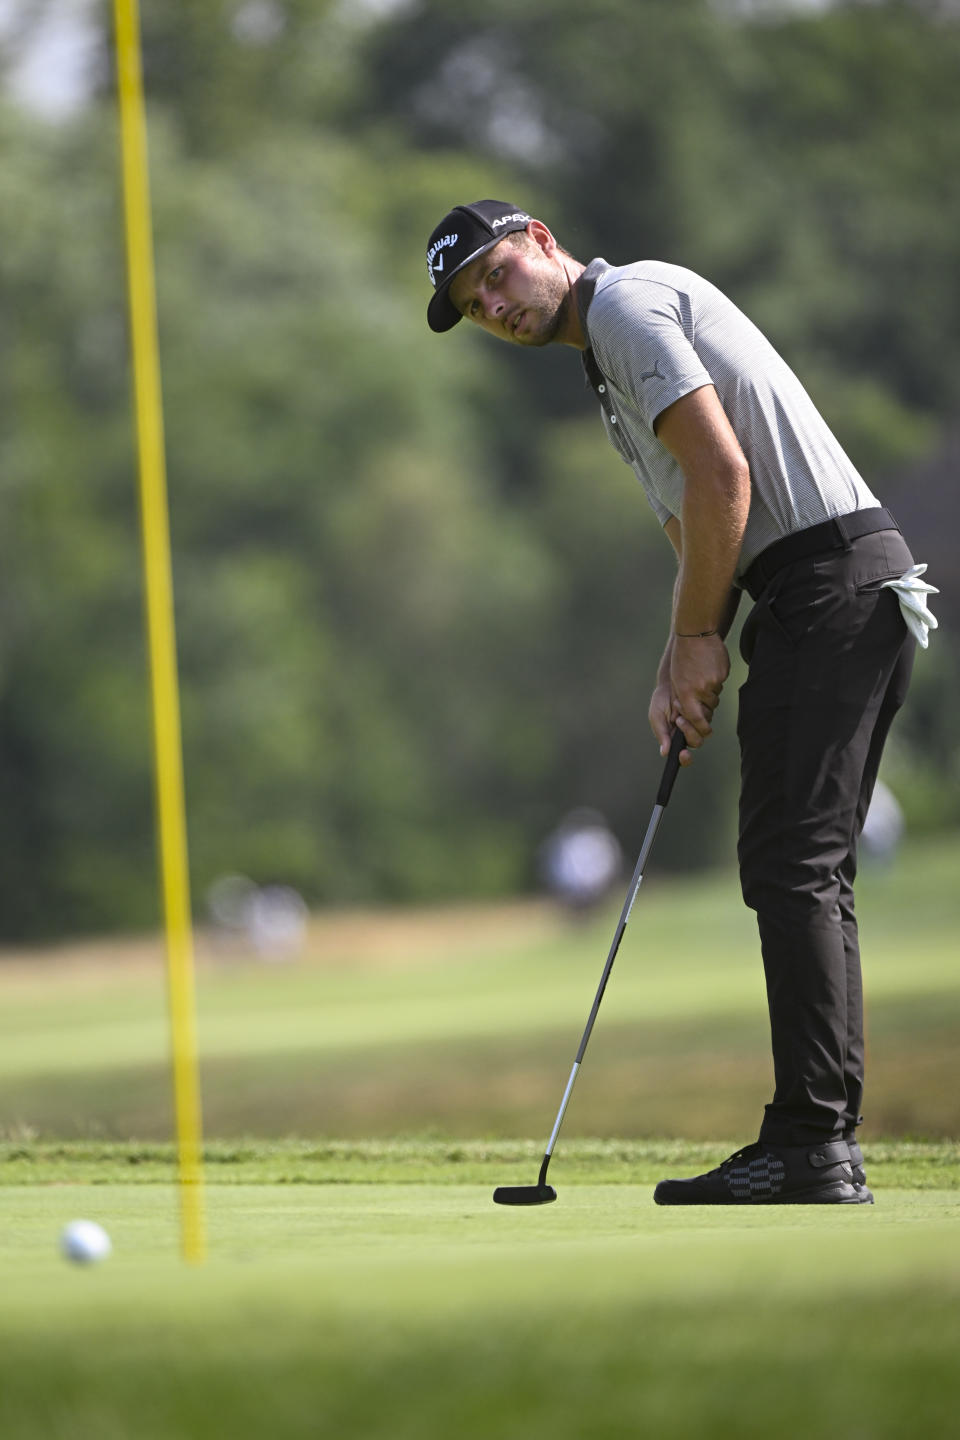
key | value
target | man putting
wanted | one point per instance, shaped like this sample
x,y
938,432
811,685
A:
x,y
754,493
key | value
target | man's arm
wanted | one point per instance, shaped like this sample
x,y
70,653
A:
x,y
662,708
707,538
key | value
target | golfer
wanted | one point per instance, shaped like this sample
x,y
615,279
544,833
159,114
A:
x,y
755,494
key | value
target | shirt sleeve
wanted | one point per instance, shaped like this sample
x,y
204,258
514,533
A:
x,y
658,508
642,335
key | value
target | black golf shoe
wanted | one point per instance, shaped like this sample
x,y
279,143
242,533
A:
x,y
763,1174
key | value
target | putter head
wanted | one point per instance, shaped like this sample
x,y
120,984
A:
x,y
524,1195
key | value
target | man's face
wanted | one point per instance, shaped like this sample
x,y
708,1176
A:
x,y
515,291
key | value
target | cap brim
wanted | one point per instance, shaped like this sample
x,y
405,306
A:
x,y
442,314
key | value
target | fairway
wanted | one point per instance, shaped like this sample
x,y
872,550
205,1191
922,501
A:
x,y
464,1022
420,1309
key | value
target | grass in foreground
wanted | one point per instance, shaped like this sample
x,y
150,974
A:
x,y
414,1307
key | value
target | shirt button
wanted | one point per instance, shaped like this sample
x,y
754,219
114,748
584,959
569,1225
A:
x,y
613,419
602,389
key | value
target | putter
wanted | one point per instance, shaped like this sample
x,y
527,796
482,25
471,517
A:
x,y
542,1193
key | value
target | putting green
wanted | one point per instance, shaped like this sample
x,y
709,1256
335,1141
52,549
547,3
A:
x,y
338,1228
424,1310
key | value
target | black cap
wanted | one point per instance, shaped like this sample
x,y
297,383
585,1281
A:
x,y
461,236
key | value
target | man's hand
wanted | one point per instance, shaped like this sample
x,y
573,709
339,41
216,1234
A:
x,y
698,670
660,715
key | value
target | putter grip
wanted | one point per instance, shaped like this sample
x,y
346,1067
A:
x,y
671,767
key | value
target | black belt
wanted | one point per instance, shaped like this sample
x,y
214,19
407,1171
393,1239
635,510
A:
x,y
836,534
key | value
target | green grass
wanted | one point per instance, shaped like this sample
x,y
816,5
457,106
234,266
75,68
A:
x,y
465,1023
913,1165
409,1309
364,1285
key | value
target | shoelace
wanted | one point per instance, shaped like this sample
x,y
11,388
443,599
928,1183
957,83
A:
x,y
748,1151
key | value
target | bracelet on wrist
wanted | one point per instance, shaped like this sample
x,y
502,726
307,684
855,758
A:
x,y
695,634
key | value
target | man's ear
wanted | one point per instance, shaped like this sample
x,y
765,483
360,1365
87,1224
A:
x,y
542,237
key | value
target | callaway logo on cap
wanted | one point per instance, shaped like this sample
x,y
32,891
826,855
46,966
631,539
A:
x,y
464,234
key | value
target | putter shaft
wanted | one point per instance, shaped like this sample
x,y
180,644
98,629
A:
x,y
663,795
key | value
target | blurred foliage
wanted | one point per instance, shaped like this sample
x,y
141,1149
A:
x,y
419,599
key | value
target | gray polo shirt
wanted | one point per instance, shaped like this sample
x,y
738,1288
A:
x,y
658,332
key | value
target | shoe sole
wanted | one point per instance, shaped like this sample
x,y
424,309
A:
x,y
839,1193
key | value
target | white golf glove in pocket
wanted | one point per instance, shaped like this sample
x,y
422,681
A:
x,y
912,593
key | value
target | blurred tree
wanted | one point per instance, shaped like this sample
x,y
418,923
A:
x,y
221,69
419,600
802,163
351,607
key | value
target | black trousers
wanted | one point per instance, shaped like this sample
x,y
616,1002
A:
x,y
829,659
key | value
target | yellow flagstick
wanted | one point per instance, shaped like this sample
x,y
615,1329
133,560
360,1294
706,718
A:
x,y
168,760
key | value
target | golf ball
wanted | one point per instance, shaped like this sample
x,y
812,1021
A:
x,y
85,1242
